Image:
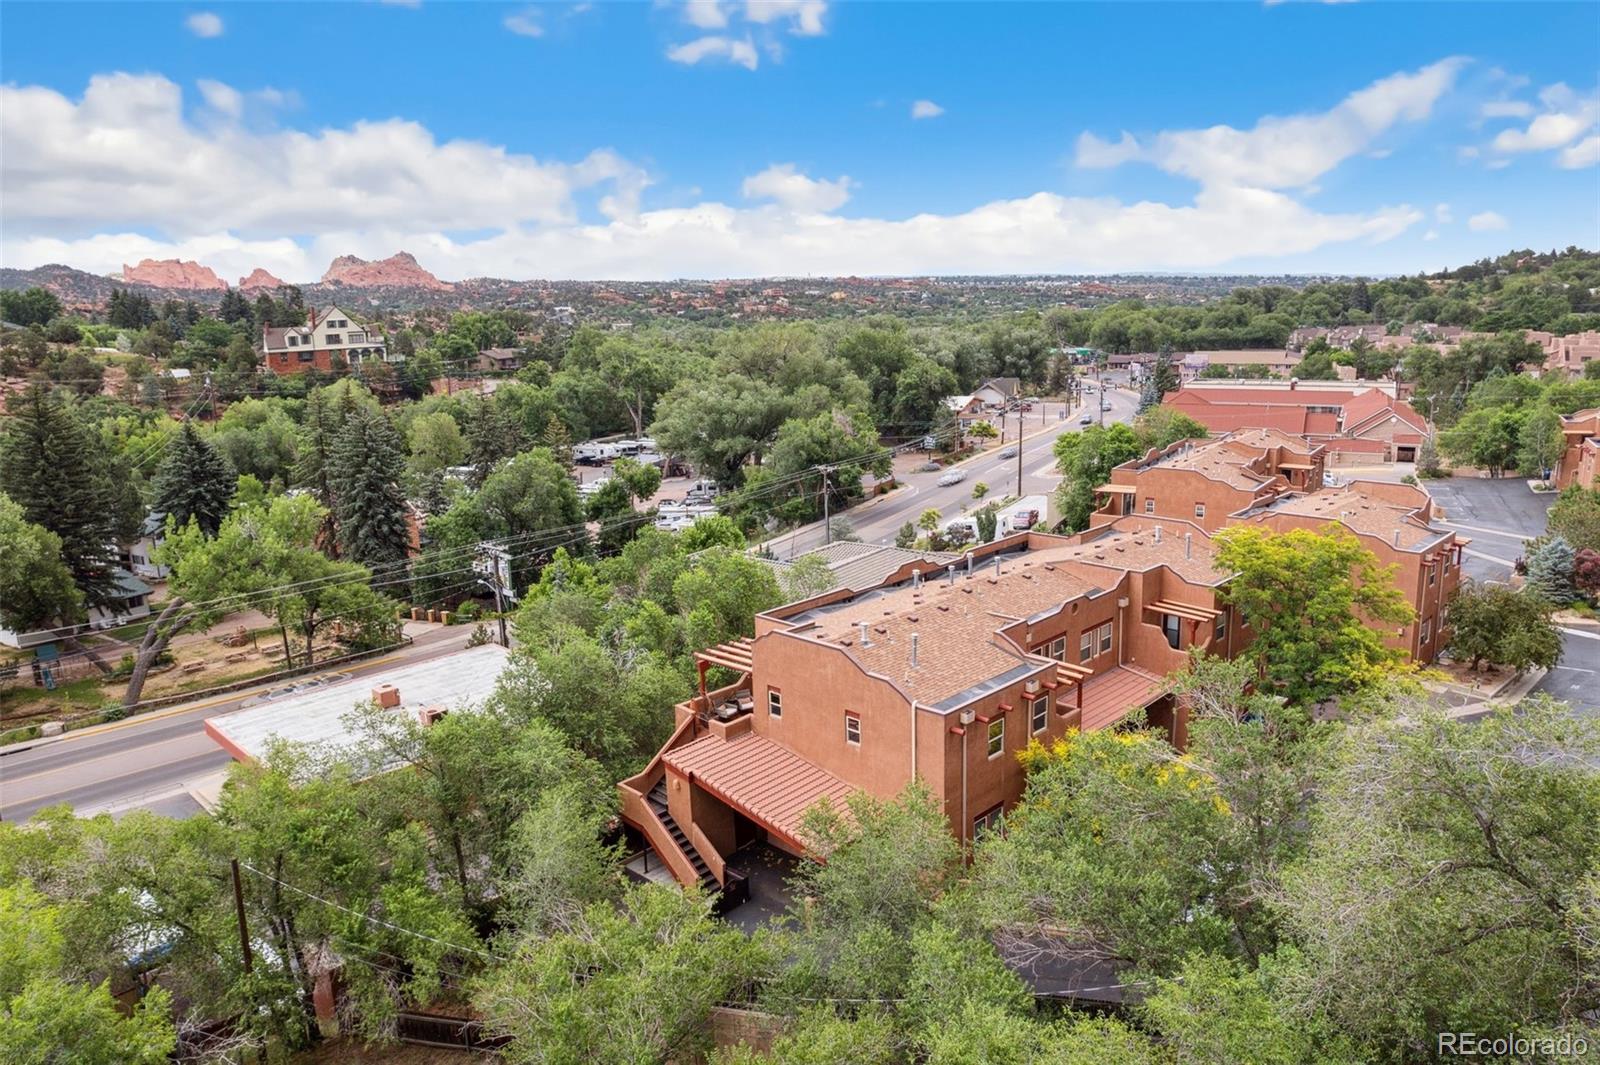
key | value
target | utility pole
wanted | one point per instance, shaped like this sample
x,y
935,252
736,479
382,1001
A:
x,y
494,563
1100,393
827,524
238,904
1019,451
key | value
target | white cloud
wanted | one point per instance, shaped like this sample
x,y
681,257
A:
x,y
804,16
1432,234
706,14
1442,214
739,52
926,109
1566,118
124,173
224,98
204,24
1281,153
525,23
1507,109
1486,222
789,188
1577,156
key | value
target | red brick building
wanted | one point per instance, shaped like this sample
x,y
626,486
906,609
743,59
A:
x,y
328,333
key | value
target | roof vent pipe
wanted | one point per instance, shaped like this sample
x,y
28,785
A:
x,y
951,570
1158,534
862,625
997,565
969,563
1397,538
1188,545
913,650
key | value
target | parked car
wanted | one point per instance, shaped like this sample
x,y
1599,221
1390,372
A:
x,y
929,467
1008,453
1105,405
952,477
1023,518
1087,419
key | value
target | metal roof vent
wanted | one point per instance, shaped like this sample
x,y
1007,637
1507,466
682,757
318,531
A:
x,y
865,641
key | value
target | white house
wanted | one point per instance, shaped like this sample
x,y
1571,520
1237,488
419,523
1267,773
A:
x,y
296,348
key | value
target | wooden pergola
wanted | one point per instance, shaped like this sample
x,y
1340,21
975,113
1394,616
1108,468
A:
x,y
735,656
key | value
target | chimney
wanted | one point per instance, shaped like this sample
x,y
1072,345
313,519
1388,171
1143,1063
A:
x,y
865,642
913,650
386,696
431,715
1188,545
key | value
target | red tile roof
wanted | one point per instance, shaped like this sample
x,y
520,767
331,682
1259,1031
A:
x,y
764,780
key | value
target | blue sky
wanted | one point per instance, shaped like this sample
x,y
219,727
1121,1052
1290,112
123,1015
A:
x,y
784,137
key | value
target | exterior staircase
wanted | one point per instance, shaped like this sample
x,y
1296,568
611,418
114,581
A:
x,y
657,798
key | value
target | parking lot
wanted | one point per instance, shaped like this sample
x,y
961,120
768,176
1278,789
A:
x,y
1498,515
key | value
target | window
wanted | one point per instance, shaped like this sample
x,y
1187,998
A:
x,y
1172,629
852,729
1149,506
997,737
1427,630
1431,574
1199,510
991,820
1105,637
774,702
333,338
358,338
1058,649
1222,627
1086,646
1039,713
294,341
1447,555
307,356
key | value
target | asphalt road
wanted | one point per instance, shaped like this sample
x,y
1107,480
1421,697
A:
x,y
878,520
152,760
1498,515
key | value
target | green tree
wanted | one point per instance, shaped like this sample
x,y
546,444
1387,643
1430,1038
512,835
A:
x,y
622,984
1085,460
259,438
436,443
36,588
907,535
1551,570
1575,516
846,442
988,522
1317,602
194,482
45,1018
1460,859
636,372
919,393
1503,626
929,520
558,438
52,467
1160,427
33,306
366,466
1541,443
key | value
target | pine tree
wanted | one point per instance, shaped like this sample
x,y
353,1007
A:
x,y
492,437
1165,375
50,466
1428,458
195,480
1551,568
367,463
558,439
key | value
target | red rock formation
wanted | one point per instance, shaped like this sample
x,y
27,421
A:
x,y
260,280
399,271
172,273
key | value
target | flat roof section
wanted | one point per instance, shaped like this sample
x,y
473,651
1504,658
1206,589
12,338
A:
x,y
317,718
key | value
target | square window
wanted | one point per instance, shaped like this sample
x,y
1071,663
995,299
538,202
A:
x,y
1105,637
774,702
1086,646
997,737
1149,506
852,730
1039,713
992,820
1199,510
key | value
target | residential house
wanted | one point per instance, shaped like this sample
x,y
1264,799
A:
x,y
1281,363
1393,522
941,675
329,333
139,556
998,391
1576,464
1569,354
500,360
1208,481
130,602
968,410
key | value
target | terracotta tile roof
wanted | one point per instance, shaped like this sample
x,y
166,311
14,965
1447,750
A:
x,y
765,780
1297,397
1108,696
